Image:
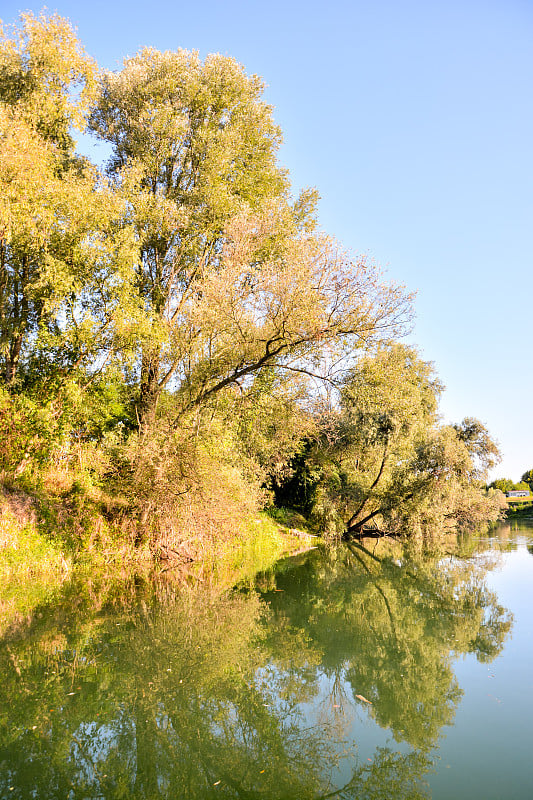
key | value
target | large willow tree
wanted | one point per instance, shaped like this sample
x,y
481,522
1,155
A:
x,y
191,266
230,274
385,464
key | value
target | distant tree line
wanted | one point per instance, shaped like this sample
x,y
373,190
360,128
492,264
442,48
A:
x,y
507,485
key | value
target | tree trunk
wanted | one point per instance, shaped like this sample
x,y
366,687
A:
x,y
149,390
19,324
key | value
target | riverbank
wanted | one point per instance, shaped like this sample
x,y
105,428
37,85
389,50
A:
x,y
44,543
519,505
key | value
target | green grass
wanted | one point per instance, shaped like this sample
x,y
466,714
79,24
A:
x,y
519,505
46,538
289,518
31,568
241,558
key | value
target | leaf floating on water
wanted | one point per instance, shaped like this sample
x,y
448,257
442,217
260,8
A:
x,y
360,697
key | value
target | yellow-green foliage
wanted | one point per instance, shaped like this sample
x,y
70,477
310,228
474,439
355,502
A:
x,y
24,552
252,551
31,568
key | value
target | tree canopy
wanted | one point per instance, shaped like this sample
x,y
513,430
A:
x,y
183,291
383,463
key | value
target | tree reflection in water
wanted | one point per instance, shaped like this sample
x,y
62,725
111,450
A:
x,y
183,693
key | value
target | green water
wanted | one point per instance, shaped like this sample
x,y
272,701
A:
x,y
343,673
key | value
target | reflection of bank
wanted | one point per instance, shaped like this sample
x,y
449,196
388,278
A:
x,y
217,694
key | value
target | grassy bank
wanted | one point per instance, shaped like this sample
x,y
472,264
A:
x,y
32,567
45,540
520,507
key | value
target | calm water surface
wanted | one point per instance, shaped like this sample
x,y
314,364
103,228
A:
x,y
343,673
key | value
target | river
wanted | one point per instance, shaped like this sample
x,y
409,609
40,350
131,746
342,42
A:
x,y
347,672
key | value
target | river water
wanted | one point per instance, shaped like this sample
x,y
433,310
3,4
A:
x,y
350,672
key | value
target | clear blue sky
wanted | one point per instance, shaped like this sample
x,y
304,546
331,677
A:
x,y
414,119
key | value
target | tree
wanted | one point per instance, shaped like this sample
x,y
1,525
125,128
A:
x,y
192,142
46,77
230,274
503,484
290,312
527,477
41,64
383,464
507,485
387,403
189,290
483,450
62,243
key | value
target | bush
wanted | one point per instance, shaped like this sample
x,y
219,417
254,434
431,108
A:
x,y
27,433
